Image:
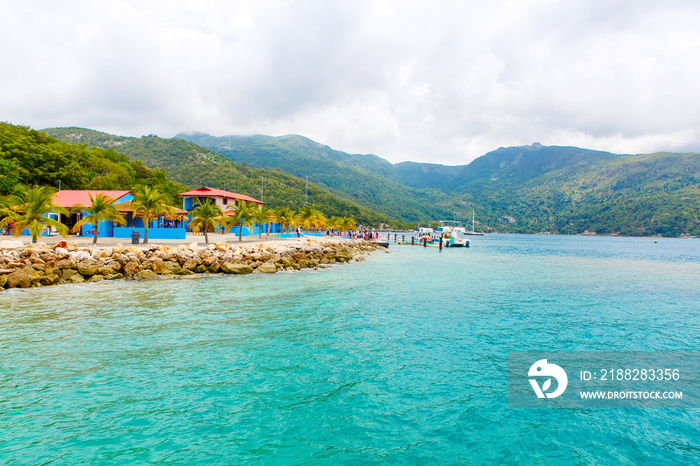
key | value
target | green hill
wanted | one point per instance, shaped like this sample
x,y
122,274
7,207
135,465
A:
x,y
32,157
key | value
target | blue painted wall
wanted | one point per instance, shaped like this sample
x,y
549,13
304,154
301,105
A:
x,y
153,233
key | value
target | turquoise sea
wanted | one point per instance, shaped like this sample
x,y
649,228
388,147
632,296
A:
x,y
399,359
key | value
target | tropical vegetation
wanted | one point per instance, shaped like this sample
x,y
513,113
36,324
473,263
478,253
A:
x,y
206,216
28,208
284,216
264,216
101,209
149,204
242,215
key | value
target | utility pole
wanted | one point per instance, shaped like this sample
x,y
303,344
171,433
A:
x,y
262,188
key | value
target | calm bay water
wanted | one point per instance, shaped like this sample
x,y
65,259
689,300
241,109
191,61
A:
x,y
400,359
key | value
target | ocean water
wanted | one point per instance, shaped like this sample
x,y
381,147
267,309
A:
x,y
400,359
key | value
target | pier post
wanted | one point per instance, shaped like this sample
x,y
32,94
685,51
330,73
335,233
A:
x,y
425,242
440,247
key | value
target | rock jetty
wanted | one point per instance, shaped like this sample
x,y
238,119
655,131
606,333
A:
x,y
41,265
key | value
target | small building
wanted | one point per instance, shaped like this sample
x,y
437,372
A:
x,y
165,227
224,200
70,199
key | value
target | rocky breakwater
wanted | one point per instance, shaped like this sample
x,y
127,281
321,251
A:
x,y
40,265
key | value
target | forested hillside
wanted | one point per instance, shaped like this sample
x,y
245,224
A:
x,y
32,157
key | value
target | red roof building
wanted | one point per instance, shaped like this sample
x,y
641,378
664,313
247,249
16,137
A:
x,y
221,198
68,198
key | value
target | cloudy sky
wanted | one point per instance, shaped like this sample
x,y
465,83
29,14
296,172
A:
x,y
433,81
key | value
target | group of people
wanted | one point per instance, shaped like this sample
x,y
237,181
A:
x,y
364,234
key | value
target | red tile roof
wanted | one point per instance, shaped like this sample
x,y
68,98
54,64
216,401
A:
x,y
205,191
68,198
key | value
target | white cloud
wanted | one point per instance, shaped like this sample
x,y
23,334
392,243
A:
x,y
439,81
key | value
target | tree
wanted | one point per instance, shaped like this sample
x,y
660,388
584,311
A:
x,y
243,215
284,216
206,215
101,209
311,218
344,224
149,204
263,215
28,209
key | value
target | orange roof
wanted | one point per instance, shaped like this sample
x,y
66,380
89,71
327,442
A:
x,y
206,191
68,198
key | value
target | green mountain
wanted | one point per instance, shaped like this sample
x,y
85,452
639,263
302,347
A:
x,y
194,166
532,188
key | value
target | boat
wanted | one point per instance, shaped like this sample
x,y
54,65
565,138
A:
x,y
423,233
474,232
452,235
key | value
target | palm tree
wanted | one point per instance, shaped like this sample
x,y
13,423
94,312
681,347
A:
x,y
345,224
206,215
309,217
101,209
263,216
28,209
243,215
284,215
149,203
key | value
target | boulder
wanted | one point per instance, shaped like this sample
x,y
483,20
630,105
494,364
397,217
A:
x,y
66,274
113,276
173,267
18,279
87,268
267,267
77,278
159,266
215,267
67,263
3,280
96,278
50,279
189,264
119,258
201,268
343,255
147,275
236,268
132,268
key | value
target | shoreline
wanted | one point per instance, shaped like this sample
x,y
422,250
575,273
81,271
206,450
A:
x,y
40,264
